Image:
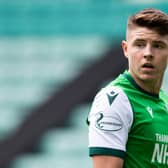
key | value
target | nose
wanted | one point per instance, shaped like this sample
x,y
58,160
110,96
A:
x,y
148,51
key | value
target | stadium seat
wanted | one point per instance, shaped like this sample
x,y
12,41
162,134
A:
x,y
79,116
43,45
51,161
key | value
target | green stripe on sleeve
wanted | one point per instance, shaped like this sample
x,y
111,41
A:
x,y
106,151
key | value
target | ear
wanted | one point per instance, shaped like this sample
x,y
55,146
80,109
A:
x,y
125,48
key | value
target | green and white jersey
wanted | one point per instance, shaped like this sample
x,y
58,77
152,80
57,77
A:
x,y
127,122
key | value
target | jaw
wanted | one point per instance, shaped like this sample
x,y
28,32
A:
x,y
148,81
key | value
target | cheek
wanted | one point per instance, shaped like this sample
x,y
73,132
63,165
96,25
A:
x,y
162,64
135,57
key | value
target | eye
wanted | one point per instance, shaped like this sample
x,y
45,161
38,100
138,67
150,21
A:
x,y
140,44
158,45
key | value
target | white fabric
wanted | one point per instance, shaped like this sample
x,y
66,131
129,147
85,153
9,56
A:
x,y
110,122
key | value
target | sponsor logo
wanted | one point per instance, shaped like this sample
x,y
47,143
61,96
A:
x,y
160,151
108,123
111,97
150,111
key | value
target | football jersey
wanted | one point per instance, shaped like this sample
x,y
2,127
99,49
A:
x,y
127,122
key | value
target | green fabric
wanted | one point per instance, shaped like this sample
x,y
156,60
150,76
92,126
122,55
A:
x,y
147,145
106,151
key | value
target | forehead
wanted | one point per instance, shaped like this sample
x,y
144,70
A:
x,y
145,34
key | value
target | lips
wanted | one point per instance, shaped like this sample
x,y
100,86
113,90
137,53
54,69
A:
x,y
148,65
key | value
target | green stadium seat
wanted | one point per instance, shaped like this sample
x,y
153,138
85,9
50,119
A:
x,y
51,161
32,67
64,141
43,45
9,122
79,116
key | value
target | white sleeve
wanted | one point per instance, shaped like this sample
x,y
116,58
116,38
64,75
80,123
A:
x,y
110,120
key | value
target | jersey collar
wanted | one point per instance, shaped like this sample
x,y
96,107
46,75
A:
x,y
128,76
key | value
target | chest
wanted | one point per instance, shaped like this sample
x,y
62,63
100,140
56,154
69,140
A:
x,y
148,137
150,118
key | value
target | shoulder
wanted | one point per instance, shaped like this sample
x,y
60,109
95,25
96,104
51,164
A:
x,y
110,120
164,96
109,95
112,102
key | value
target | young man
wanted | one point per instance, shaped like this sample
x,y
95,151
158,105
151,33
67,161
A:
x,y
128,121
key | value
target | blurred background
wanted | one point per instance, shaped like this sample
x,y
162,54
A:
x,y
54,56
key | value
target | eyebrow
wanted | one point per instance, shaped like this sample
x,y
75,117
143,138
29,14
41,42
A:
x,y
139,40
158,41
155,41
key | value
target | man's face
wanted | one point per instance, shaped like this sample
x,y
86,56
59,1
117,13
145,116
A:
x,y
147,54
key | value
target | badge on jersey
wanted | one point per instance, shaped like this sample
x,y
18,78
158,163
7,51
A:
x,y
111,96
150,111
108,123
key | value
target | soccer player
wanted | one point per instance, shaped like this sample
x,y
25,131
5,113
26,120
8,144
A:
x,y
128,121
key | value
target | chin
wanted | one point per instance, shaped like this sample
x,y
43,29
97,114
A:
x,y
148,77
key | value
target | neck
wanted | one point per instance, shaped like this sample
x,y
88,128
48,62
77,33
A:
x,y
152,86
149,85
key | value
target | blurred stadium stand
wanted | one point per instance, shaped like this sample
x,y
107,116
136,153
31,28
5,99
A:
x,y
54,56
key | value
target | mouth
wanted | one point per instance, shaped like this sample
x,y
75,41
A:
x,y
148,66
